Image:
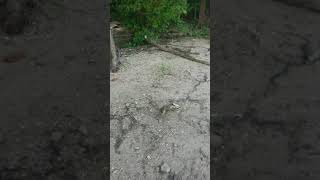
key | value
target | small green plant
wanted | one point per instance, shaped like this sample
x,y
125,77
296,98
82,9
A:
x,y
163,69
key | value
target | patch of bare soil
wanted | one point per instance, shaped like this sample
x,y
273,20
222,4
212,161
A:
x,y
160,114
265,91
52,90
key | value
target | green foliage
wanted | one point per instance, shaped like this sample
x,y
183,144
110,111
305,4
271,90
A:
x,y
193,30
148,18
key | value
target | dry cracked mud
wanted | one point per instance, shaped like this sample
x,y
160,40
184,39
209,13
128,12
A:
x,y
160,114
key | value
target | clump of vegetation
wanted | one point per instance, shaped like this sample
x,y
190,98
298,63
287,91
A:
x,y
148,19
193,29
164,69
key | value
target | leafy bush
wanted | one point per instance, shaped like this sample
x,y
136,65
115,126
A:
x,y
148,18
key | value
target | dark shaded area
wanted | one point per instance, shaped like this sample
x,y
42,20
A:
x,y
53,90
265,95
312,5
16,14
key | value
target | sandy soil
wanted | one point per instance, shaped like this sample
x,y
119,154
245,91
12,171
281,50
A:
x,y
265,91
148,142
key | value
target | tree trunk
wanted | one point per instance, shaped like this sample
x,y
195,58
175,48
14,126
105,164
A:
x,y
202,13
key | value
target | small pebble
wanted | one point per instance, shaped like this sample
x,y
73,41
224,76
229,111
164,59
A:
x,y
165,168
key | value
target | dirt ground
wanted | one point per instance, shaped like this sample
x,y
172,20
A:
x,y
160,114
53,93
264,102
265,99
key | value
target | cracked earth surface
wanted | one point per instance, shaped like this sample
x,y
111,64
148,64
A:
x,y
266,95
160,114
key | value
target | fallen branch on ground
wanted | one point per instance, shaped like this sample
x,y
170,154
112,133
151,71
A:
x,y
179,53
